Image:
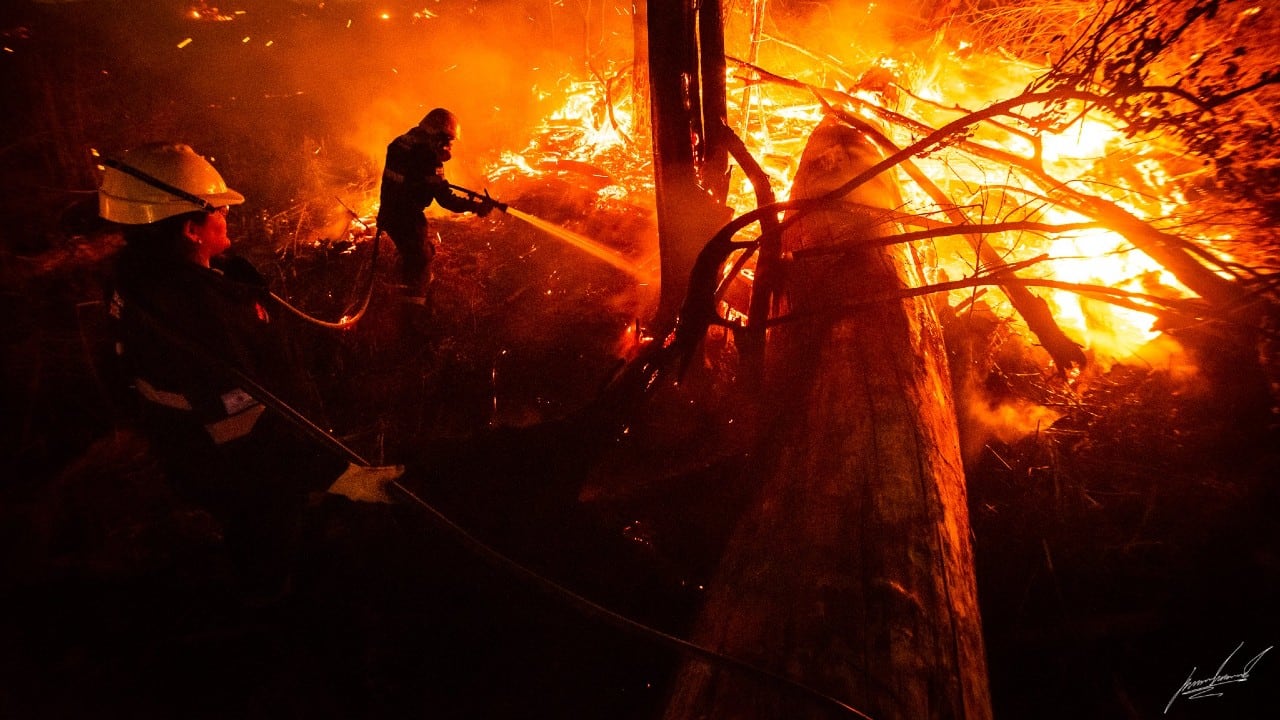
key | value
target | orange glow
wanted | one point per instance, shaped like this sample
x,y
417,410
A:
x,y
591,130
588,133
598,135
1080,156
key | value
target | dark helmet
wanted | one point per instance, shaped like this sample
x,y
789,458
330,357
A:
x,y
441,122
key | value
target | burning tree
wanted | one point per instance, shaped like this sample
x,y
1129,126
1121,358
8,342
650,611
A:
x,y
852,573
1073,168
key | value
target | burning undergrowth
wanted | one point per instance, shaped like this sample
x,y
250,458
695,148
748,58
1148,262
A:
x,y
530,326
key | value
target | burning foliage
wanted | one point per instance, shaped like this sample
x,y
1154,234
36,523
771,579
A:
x,y
1090,176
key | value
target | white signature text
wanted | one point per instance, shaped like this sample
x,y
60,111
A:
x,y
1208,687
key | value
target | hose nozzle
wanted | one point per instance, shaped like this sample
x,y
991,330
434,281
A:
x,y
480,197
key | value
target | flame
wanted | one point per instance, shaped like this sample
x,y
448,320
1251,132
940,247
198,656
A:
x,y
599,133
775,124
592,128
1083,154
589,131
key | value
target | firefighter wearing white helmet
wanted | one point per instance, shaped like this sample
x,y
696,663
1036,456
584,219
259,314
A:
x,y
160,180
190,320
413,178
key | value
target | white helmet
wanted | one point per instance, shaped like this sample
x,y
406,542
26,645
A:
x,y
159,180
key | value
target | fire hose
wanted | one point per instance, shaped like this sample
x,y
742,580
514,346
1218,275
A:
x,y
343,323
346,320
484,551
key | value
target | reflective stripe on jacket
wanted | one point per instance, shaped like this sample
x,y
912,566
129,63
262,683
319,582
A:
x,y
242,414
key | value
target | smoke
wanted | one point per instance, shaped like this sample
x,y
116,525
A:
x,y
500,66
379,77
1009,421
259,82
1010,418
841,35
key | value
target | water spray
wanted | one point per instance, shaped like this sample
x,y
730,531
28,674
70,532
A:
x,y
583,243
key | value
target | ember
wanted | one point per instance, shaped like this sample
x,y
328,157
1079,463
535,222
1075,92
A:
x,y
203,12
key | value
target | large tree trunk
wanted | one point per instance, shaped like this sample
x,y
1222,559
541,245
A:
x,y
853,572
686,80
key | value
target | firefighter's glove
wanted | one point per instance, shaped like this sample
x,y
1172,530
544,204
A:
x,y
369,484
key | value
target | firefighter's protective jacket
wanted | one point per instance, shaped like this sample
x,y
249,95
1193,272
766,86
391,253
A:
x,y
414,177
178,328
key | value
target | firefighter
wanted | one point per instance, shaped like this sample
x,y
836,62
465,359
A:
x,y
412,179
189,318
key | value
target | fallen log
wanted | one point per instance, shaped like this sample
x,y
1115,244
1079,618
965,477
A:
x,y
852,572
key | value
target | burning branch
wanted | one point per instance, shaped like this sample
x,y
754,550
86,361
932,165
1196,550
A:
x,y
937,230
1172,252
1118,72
1185,311
606,85
1066,353
762,289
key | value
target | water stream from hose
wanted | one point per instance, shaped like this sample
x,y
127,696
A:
x,y
587,245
